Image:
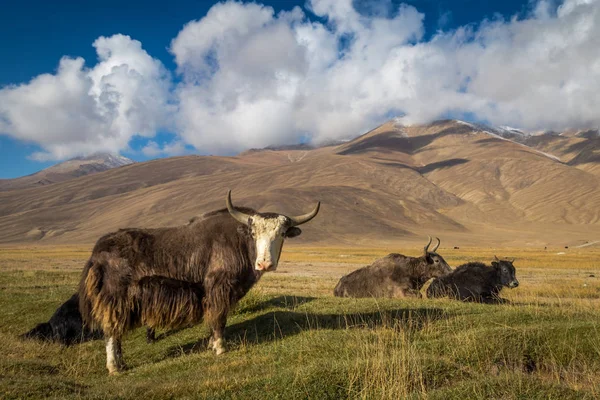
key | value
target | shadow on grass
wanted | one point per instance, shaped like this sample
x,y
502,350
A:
x,y
276,325
287,302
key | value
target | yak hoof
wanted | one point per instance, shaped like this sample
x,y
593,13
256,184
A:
x,y
218,346
115,371
220,350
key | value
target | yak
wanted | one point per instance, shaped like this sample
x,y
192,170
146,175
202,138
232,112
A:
x,y
476,282
177,276
65,326
394,276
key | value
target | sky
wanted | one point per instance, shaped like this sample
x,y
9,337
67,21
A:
x,y
154,79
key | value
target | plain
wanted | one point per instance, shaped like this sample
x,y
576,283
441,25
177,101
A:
x,y
290,338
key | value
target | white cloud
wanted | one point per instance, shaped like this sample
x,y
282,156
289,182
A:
x,y
153,149
260,79
251,77
84,110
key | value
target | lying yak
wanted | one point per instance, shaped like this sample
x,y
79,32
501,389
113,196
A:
x,y
394,275
66,327
476,282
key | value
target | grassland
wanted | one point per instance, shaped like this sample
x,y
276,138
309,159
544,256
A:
x,y
289,338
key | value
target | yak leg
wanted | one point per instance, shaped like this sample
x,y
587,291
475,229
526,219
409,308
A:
x,y
150,335
492,299
114,356
217,326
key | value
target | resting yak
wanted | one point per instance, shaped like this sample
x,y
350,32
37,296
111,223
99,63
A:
x,y
476,282
394,275
173,277
65,326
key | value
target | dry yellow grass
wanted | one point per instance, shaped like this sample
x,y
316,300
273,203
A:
x,y
290,338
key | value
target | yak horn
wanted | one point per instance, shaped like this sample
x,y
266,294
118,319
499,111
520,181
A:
x,y
238,215
302,219
496,258
438,245
427,247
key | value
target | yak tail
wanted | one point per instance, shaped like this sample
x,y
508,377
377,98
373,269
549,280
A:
x,y
105,304
89,291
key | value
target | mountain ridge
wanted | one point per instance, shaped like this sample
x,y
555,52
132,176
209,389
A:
x,y
66,170
393,184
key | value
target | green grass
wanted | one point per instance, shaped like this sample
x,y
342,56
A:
x,y
290,339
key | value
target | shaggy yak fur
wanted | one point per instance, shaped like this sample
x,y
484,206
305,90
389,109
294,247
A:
x,y
393,276
476,282
66,327
172,277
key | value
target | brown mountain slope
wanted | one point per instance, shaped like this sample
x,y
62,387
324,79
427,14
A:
x,y
390,185
580,149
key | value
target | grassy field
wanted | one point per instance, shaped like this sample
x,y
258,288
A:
x,y
290,338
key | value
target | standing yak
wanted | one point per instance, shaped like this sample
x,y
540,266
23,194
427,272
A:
x,y
173,277
476,282
394,275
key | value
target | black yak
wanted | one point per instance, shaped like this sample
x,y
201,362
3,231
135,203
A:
x,y
394,275
172,277
65,326
476,282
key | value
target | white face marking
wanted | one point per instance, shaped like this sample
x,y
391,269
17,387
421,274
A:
x,y
269,235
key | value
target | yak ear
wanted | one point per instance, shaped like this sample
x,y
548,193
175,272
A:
x,y
293,232
495,264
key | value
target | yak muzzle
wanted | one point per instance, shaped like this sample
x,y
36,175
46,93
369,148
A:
x,y
264,265
513,284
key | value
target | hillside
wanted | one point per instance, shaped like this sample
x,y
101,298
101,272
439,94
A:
x,y
64,171
394,184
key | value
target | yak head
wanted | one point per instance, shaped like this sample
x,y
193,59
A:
x,y
506,272
436,265
269,230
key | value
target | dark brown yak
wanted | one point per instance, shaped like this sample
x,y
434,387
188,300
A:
x,y
476,282
174,277
394,275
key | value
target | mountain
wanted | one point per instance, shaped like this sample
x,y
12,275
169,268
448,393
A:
x,y
578,148
73,168
464,183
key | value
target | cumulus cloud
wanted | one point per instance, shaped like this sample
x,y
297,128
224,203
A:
x,y
262,78
175,148
250,77
82,110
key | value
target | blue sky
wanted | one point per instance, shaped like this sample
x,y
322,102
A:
x,y
34,36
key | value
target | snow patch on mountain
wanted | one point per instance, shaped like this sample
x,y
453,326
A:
x,y
508,134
